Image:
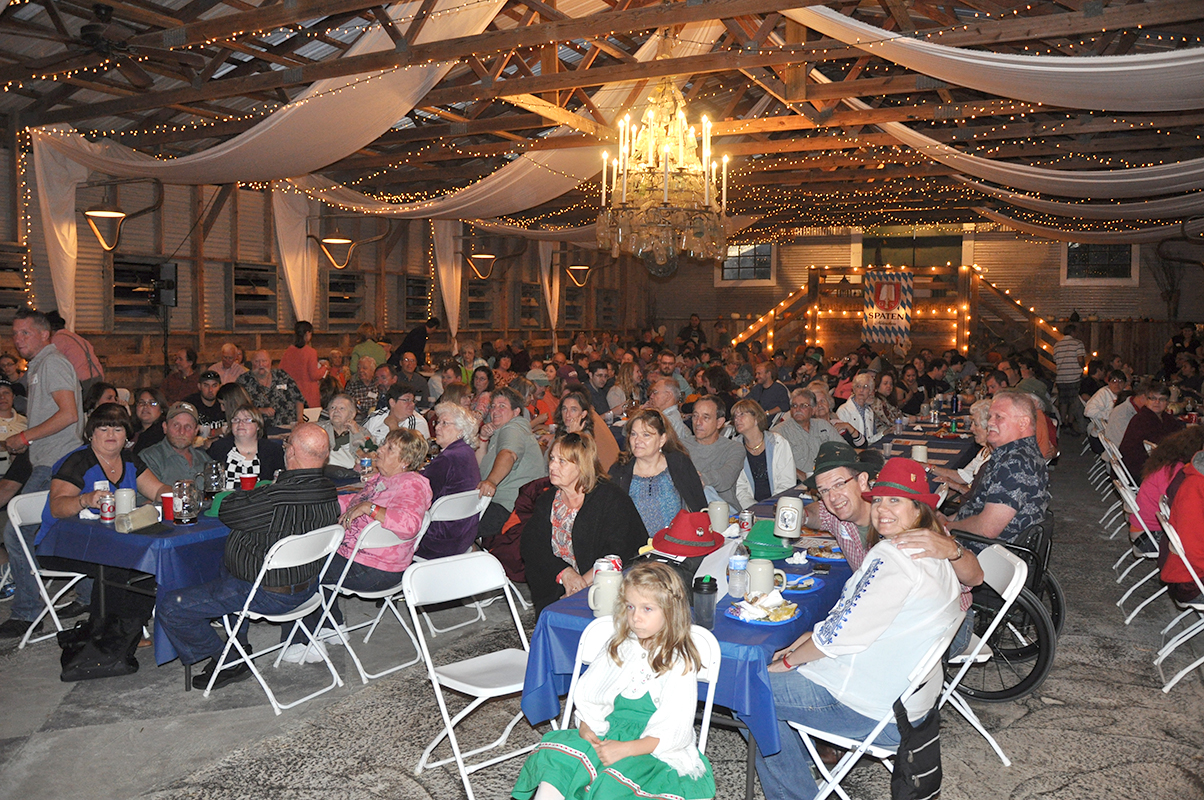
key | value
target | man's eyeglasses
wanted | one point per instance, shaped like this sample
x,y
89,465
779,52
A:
x,y
800,406
833,487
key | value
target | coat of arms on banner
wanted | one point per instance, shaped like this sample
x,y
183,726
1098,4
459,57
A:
x,y
888,303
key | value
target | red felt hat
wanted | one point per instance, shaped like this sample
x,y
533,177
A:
x,y
902,477
681,538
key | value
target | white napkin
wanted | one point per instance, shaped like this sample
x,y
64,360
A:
x,y
87,513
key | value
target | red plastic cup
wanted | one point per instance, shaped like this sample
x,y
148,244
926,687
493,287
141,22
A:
x,y
169,507
247,482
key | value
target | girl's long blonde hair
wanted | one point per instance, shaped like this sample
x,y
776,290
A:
x,y
673,642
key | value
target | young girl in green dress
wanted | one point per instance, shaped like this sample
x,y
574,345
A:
x,y
635,707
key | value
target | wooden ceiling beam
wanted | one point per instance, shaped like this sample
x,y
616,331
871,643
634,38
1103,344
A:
x,y
588,28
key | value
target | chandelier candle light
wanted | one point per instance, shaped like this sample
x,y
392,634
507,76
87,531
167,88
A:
x,y
662,198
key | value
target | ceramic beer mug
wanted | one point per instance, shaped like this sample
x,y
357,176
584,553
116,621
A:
x,y
719,513
761,575
789,517
604,592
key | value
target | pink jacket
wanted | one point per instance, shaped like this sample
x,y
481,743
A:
x,y
405,498
1151,491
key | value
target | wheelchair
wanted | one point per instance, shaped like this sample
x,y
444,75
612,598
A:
x,y
1024,645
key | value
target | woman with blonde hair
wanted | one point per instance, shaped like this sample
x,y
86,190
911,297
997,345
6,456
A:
x,y
656,471
626,392
367,345
582,517
768,458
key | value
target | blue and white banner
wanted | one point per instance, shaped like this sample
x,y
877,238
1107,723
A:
x,y
888,304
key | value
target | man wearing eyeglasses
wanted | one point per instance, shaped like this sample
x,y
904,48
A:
x,y
1099,407
719,460
664,396
805,433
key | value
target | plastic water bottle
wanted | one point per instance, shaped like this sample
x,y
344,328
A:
x,y
900,423
737,573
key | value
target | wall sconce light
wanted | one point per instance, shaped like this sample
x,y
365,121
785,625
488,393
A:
x,y
478,252
108,210
337,238
578,274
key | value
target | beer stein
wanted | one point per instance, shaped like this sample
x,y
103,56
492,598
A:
x,y
186,501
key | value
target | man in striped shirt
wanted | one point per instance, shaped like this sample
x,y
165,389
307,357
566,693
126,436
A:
x,y
300,500
1070,356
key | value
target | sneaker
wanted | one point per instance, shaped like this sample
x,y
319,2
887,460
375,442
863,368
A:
x,y
303,654
1145,547
330,636
224,678
8,591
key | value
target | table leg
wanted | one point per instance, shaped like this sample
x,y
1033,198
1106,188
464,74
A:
x,y
100,581
188,677
750,766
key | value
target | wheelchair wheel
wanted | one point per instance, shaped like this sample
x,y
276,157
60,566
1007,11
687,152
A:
x,y
1022,649
1054,600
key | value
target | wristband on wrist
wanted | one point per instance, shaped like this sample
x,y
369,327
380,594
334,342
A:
x,y
25,438
961,551
786,663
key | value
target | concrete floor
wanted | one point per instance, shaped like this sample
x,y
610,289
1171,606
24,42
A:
x,y
1099,727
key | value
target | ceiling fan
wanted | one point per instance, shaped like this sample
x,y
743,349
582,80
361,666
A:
x,y
103,39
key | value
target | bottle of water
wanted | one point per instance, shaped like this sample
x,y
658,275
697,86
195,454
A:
x,y
900,424
737,573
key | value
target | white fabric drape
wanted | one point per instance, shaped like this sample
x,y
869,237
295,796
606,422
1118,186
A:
x,y
294,140
533,178
549,277
449,266
298,253
1170,81
1143,236
329,121
60,175
1183,176
1162,208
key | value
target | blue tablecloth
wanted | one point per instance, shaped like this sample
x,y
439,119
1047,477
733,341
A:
x,y
181,557
747,649
947,453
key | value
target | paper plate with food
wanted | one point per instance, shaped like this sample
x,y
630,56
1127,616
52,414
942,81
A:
x,y
764,609
802,584
825,552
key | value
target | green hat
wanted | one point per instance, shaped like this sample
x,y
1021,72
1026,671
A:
x,y
833,455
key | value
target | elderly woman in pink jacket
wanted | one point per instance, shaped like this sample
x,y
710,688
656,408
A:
x,y
397,497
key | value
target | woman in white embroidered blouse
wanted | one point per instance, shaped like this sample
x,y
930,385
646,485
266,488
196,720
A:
x,y
845,675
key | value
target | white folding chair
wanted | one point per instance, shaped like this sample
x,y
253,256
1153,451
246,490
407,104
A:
x,y
26,509
1005,573
927,669
594,640
373,537
450,508
1196,607
483,677
1130,504
291,551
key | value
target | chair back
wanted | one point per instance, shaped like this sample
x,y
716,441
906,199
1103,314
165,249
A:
x,y
312,414
923,671
304,548
1006,573
1176,545
26,509
708,672
375,536
442,580
590,646
460,505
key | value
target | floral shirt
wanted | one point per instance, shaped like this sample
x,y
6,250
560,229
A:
x,y
280,394
562,530
1014,476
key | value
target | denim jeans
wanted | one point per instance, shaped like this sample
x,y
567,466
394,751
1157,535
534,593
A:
x,y
786,775
359,577
184,616
27,603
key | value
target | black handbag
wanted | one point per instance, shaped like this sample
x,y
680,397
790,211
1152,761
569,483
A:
x,y
103,650
917,774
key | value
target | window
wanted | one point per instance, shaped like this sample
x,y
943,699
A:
x,y
574,307
12,281
1099,264
608,308
133,291
480,305
529,313
254,296
416,299
911,251
345,299
748,262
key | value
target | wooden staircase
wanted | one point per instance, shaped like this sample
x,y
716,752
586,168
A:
x,y
1006,319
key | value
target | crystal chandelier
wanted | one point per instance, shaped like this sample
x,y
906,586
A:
x,y
663,203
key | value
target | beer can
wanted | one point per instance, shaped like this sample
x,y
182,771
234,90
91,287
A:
x,y
108,507
746,522
611,563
